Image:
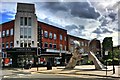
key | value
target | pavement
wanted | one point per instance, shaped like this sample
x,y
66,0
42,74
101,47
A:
x,y
84,71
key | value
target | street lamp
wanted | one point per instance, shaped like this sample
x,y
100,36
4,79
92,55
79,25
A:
x,y
113,61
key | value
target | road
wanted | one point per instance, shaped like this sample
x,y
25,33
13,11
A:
x,y
19,74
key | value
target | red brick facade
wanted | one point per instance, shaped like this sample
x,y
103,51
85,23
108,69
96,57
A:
x,y
7,38
53,30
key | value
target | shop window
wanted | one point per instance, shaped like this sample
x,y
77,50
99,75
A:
x,y
11,44
25,21
7,44
21,21
46,45
11,31
55,37
50,35
60,37
46,34
3,34
50,45
29,21
55,46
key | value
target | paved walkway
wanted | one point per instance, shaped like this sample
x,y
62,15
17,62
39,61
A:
x,y
86,71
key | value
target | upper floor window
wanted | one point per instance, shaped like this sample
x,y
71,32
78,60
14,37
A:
x,y
7,44
3,45
21,32
60,37
55,37
21,21
29,32
46,45
29,21
50,45
11,31
11,44
3,34
82,43
54,46
50,35
25,32
65,48
46,34
25,21
7,33
60,46
65,38
0,34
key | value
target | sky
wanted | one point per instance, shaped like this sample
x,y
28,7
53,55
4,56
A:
x,y
87,19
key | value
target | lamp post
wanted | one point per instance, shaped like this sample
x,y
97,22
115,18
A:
x,y
106,54
113,61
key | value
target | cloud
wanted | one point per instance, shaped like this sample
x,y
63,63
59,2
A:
x,y
76,9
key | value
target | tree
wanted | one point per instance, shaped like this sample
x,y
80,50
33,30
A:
x,y
107,46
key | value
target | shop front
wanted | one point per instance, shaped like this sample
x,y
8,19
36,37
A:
x,y
19,56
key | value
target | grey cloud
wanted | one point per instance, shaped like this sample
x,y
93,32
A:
x,y
112,16
77,9
102,31
73,26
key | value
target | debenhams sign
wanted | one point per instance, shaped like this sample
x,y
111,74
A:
x,y
22,50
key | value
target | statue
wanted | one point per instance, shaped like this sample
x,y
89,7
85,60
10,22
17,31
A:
x,y
77,56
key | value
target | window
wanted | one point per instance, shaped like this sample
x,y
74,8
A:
x,y
7,33
29,21
65,38
21,44
3,45
65,48
29,44
25,21
82,43
46,34
54,46
3,34
0,34
60,37
50,35
21,32
21,21
60,46
25,44
11,44
11,31
50,45
55,37
7,44
46,45
25,32
29,32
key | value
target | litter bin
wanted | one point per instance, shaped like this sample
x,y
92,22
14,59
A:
x,y
49,66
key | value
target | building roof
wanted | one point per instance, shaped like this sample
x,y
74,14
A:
x,y
51,25
77,37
